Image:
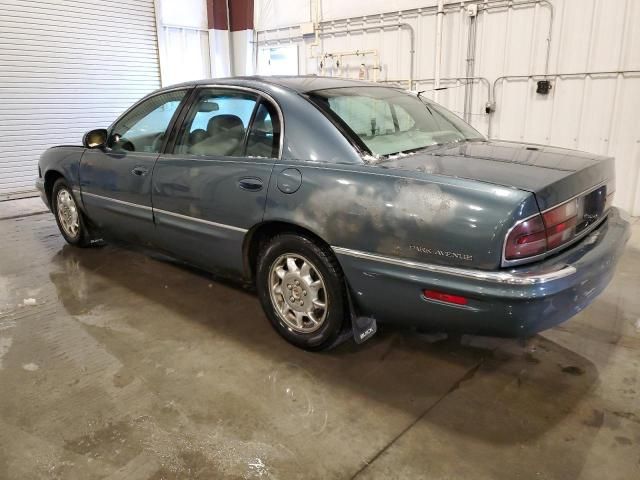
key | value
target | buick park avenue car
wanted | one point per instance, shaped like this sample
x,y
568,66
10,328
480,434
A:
x,y
348,204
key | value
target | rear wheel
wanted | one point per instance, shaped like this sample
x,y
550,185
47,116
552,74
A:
x,y
302,291
68,216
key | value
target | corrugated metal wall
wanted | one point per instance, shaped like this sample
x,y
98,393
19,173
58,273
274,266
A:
x,y
67,66
597,113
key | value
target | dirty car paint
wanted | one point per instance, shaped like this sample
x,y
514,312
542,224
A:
x,y
451,206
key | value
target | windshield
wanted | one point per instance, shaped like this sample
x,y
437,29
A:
x,y
389,121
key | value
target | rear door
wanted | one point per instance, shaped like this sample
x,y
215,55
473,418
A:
x,y
116,181
212,185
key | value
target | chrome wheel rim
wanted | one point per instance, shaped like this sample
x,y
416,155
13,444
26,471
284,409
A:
x,y
298,293
68,213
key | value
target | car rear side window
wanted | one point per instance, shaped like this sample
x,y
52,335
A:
x,y
217,124
264,135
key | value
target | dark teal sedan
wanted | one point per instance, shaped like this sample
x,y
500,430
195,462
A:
x,y
347,203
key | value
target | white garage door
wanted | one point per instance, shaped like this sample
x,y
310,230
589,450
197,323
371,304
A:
x,y
67,66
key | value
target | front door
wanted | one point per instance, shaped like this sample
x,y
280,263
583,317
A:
x,y
116,181
212,187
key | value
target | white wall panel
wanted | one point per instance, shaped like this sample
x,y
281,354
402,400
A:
x,y
186,13
185,54
184,42
67,66
593,113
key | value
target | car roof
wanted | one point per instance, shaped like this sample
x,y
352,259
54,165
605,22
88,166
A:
x,y
299,83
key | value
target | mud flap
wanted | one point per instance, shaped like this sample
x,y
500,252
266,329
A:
x,y
363,328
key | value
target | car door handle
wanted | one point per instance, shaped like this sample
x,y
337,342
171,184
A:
x,y
251,184
140,171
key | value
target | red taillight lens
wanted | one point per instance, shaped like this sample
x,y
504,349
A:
x,y
526,239
445,297
560,214
561,223
542,232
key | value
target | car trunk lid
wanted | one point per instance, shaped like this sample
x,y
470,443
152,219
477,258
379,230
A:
x,y
553,175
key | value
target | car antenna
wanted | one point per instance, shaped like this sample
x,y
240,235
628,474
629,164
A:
x,y
434,90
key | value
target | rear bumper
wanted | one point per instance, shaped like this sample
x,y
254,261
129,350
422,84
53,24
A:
x,y
516,302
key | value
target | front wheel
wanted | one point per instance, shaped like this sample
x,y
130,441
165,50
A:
x,y
68,216
301,288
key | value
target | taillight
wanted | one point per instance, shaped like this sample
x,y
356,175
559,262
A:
x,y
527,239
561,223
546,231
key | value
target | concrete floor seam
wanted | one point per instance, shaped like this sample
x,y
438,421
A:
x,y
468,375
14,217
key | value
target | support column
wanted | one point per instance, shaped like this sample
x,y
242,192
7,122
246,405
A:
x,y
219,38
230,37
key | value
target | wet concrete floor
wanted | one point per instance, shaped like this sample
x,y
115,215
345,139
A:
x,y
118,365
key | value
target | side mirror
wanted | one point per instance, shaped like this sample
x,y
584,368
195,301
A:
x,y
95,138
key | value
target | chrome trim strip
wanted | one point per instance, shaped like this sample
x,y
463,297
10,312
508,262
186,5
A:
x,y
493,277
521,261
173,214
121,202
584,192
200,220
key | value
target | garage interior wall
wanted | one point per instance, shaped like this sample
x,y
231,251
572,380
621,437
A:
x,y
492,59
67,66
183,38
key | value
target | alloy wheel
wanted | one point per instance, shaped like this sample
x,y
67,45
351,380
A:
x,y
68,213
298,293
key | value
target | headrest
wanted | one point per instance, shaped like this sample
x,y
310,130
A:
x,y
224,122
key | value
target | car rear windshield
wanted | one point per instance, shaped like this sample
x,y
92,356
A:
x,y
389,121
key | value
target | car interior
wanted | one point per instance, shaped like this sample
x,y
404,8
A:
x,y
225,134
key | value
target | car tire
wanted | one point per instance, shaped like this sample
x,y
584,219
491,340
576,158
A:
x,y
295,309
68,215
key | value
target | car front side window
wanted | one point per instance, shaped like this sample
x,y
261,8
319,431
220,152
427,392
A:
x,y
143,129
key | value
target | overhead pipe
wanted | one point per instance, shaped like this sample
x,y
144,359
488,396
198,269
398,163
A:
x,y
482,80
383,26
609,73
406,26
438,59
316,28
356,53
472,13
483,5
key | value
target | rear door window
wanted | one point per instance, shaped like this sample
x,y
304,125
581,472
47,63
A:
x,y
217,124
264,135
